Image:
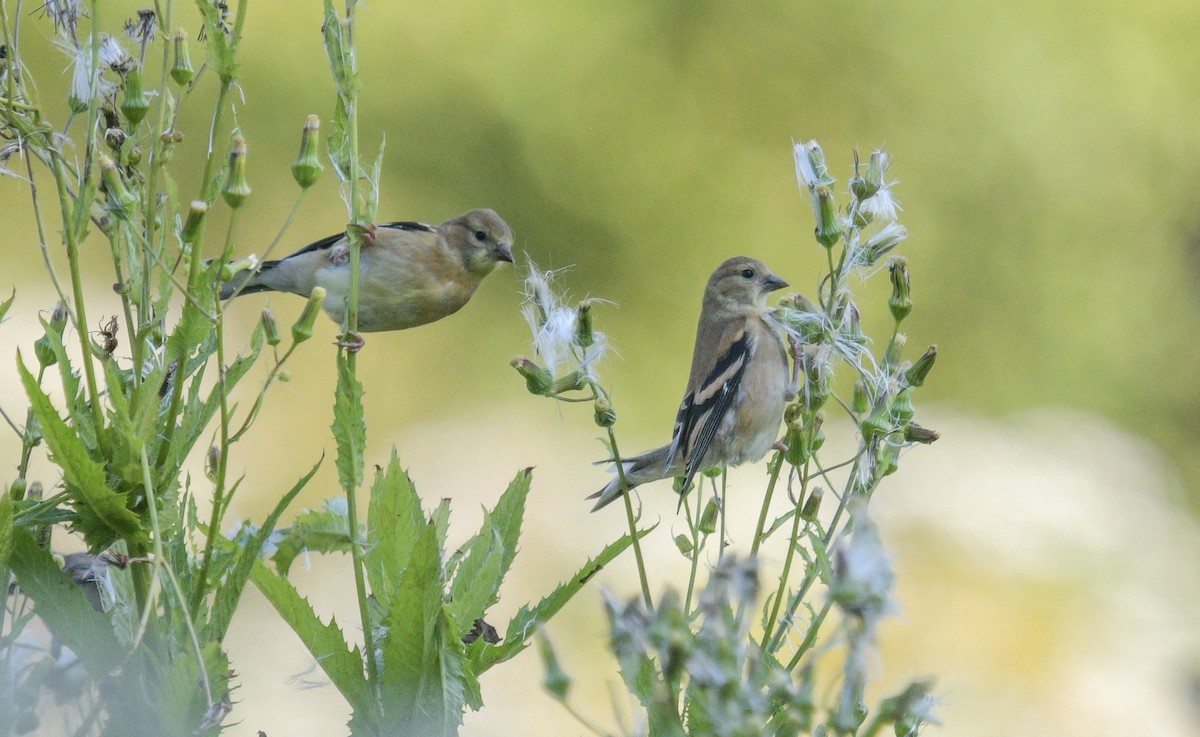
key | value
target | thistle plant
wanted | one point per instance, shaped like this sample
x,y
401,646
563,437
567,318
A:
x,y
700,664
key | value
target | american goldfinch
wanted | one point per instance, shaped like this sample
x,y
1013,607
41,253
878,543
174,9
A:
x,y
737,388
411,273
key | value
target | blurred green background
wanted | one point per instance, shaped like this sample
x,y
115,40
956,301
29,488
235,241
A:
x,y
1047,158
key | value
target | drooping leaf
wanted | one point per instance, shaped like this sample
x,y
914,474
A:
x,y
7,304
528,620
230,590
320,531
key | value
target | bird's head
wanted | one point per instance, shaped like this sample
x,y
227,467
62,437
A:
x,y
484,237
742,282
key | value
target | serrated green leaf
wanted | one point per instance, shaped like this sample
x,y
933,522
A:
x,y
489,554
325,642
7,304
349,429
319,531
85,478
423,656
527,621
230,590
394,520
63,606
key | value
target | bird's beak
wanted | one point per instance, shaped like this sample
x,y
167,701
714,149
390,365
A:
x,y
504,253
773,282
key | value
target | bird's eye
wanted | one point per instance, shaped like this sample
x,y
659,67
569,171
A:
x,y
480,235
748,273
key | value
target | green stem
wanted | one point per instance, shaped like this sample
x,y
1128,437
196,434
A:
x,y
810,637
633,535
694,526
776,465
773,625
349,96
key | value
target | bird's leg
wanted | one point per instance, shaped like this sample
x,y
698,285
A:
x,y
780,445
351,341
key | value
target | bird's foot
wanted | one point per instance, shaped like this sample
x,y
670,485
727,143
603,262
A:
x,y
366,233
351,341
780,445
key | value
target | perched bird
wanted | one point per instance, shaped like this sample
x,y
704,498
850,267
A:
x,y
737,388
411,273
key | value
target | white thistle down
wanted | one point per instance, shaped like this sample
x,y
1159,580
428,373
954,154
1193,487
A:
x,y
555,326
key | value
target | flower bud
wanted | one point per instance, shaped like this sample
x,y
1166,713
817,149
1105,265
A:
x,y
307,168
861,401
877,424
811,170
859,186
883,242
891,357
684,543
914,433
605,415
877,167
44,352
119,196
181,68
901,301
135,105
812,505
538,380
17,490
557,682
232,269
236,190
708,518
902,406
284,376
573,381
302,330
584,337
191,227
828,228
887,461
915,374
270,327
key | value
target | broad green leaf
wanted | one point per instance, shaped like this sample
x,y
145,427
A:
x,y
527,621
324,641
349,429
95,502
321,531
423,659
63,606
394,520
489,554
230,590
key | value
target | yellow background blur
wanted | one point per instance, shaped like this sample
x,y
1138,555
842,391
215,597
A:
x,y
1047,156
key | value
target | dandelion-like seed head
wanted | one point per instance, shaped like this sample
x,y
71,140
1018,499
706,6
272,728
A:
x,y
555,326
113,54
64,14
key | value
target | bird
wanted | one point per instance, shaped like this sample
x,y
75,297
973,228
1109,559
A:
x,y
737,388
410,273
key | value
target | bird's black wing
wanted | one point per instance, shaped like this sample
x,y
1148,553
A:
x,y
703,409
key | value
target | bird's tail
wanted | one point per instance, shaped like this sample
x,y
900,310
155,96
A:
x,y
650,466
